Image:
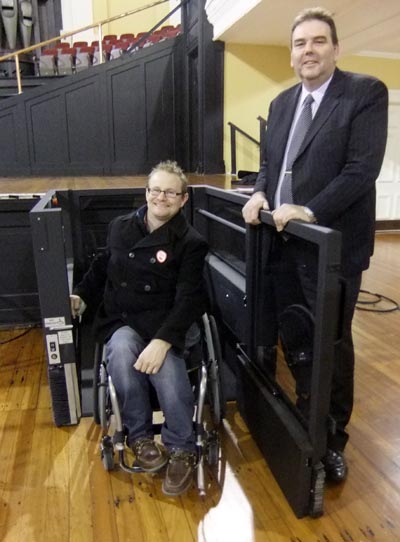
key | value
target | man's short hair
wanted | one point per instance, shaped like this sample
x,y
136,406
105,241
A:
x,y
320,14
170,166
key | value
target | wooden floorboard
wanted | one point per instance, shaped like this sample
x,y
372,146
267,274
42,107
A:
x,y
53,486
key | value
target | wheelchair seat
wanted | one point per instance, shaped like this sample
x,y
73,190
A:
x,y
202,361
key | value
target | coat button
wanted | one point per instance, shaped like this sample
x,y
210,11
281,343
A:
x,y
147,288
124,314
131,255
124,284
152,260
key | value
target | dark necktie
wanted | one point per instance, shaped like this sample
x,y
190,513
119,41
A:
x,y
302,126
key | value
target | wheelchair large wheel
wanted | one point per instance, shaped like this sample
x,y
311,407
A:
x,y
214,387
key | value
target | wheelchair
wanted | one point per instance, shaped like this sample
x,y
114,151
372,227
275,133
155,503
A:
x,y
202,361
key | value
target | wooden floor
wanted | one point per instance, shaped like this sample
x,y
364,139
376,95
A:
x,y
53,486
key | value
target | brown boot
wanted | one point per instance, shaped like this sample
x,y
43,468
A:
x,y
180,469
150,455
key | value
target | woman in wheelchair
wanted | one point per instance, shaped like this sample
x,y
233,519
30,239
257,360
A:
x,y
151,273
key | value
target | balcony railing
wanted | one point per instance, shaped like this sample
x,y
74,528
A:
x,y
16,54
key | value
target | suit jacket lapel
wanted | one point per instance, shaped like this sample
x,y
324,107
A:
x,y
329,102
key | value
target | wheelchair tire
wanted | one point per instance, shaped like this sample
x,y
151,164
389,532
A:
x,y
104,401
96,380
107,453
213,448
214,389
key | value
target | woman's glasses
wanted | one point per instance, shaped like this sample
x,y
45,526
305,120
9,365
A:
x,y
168,193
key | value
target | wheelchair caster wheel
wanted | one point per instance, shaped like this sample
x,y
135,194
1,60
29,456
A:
x,y
107,453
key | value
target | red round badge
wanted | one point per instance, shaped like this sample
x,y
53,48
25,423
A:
x,y
161,256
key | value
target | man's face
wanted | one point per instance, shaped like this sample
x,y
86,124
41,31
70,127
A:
x,y
313,54
161,207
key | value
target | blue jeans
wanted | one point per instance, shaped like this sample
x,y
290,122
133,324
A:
x,y
172,385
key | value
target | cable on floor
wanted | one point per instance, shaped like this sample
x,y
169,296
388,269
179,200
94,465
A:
x,y
17,336
376,298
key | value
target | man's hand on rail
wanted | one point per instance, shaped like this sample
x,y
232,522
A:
x,y
287,212
251,210
152,357
78,306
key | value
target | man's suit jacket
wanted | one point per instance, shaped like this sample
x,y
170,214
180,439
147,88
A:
x,y
339,160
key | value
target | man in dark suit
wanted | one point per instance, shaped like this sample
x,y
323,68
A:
x,y
151,274
331,177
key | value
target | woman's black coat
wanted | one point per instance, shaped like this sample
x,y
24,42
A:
x,y
152,282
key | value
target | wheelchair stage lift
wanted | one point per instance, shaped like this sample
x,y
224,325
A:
x,y
69,227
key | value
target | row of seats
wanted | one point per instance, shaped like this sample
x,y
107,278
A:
x,y
64,59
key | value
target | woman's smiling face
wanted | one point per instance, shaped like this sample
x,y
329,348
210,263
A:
x,y
163,207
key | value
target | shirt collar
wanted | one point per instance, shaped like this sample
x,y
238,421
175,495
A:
x,y
317,94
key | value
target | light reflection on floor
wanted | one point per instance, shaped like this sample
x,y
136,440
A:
x,y
232,518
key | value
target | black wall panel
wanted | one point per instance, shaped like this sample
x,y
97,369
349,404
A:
x,y
84,126
14,157
19,300
8,137
160,109
65,127
127,118
47,129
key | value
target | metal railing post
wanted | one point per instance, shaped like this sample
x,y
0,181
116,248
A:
x,y
263,128
235,129
233,149
101,59
18,74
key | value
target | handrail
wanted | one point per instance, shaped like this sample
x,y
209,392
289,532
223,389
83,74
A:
x,y
235,129
263,127
143,38
263,130
98,24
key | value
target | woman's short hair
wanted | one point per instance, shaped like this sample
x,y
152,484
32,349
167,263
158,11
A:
x,y
170,166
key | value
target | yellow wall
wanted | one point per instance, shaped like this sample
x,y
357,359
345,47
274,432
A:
x,y
385,69
139,22
254,75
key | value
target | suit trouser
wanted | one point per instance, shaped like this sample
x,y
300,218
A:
x,y
342,393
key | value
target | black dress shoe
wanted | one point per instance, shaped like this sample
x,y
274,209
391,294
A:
x,y
335,466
